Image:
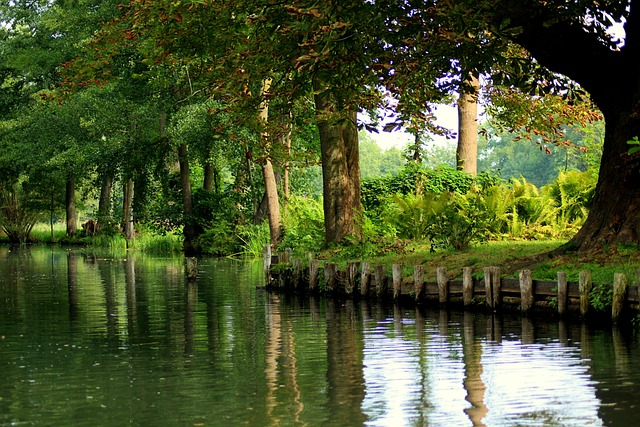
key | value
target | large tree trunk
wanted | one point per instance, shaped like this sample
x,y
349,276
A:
x,y
273,203
127,208
467,152
340,167
270,186
612,79
209,177
104,204
189,228
70,202
614,217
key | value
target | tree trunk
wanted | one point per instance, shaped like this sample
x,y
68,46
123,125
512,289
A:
x,y
70,202
614,217
189,228
273,203
127,208
467,152
104,204
209,176
270,186
286,167
340,167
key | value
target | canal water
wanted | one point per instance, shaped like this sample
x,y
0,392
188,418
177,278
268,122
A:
x,y
88,339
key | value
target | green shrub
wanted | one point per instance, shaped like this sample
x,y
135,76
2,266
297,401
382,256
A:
x,y
303,224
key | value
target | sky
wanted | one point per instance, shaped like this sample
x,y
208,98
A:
x,y
446,116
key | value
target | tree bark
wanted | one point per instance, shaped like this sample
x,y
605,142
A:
x,y
612,79
189,228
614,217
70,202
104,204
127,208
467,152
270,186
273,204
340,166
209,176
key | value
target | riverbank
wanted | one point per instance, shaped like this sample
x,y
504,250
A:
x,y
510,256
525,276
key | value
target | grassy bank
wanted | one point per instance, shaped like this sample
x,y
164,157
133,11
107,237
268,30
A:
x,y
510,256
144,241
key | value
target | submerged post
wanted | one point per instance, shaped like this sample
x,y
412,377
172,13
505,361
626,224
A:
x,y
397,280
526,291
443,285
488,289
314,265
585,286
467,286
330,270
297,273
378,277
418,281
267,263
365,279
352,273
191,268
562,293
619,295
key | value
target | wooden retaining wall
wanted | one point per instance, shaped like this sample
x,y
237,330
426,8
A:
x,y
362,280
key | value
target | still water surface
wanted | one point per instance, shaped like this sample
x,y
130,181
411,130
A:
x,y
90,339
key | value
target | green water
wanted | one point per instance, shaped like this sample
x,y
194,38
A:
x,y
96,340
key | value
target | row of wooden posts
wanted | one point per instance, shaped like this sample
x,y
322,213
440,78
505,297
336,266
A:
x,y
362,280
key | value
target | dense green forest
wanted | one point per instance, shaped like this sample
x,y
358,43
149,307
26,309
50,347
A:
x,y
226,125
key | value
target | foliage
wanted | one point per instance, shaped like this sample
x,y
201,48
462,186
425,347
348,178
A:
x,y
601,297
303,225
16,219
414,179
253,238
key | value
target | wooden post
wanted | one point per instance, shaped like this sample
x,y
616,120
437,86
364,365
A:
x,y
330,270
297,273
267,263
418,282
619,295
352,273
282,257
467,286
314,264
191,268
488,289
526,291
443,285
365,279
397,280
562,293
378,279
585,285
495,285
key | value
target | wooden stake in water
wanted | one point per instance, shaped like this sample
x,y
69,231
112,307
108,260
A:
x,y
330,270
418,281
562,293
314,265
585,285
526,291
365,279
267,263
379,280
397,280
191,268
467,286
443,285
619,295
